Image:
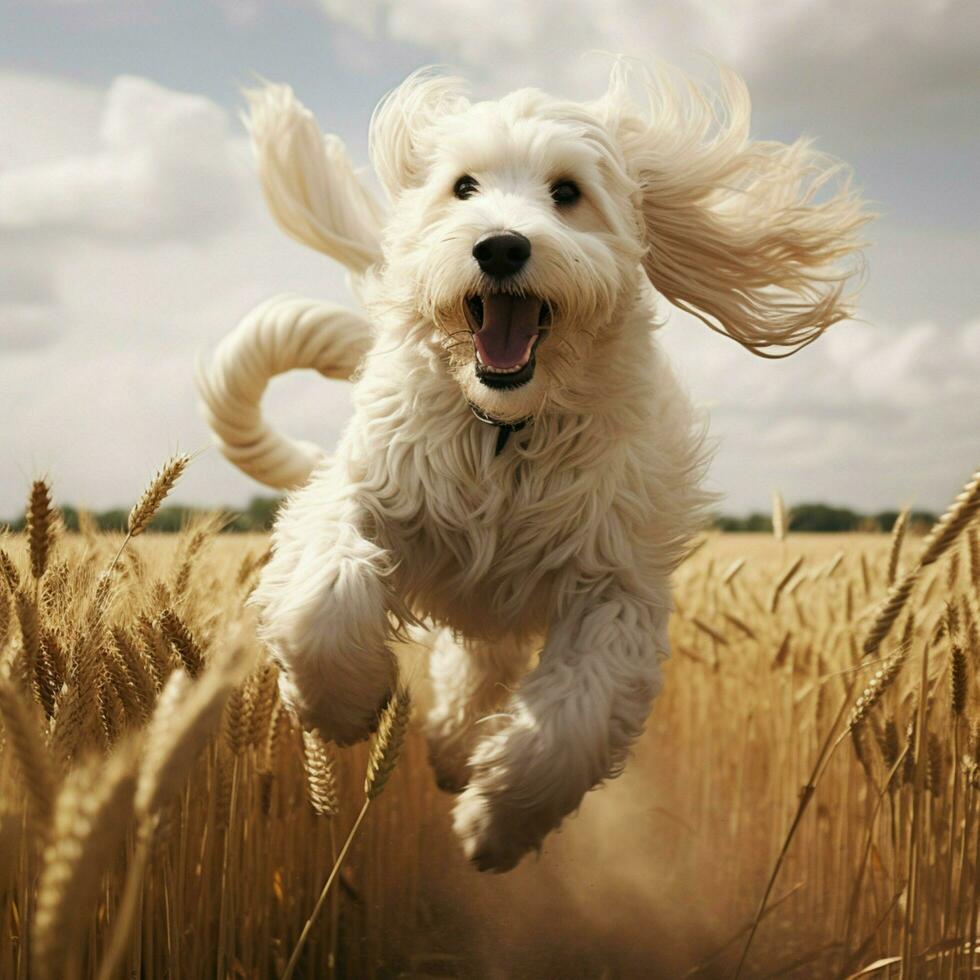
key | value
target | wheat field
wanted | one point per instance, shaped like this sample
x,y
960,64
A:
x,y
805,801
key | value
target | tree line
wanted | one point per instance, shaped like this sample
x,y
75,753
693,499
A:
x,y
260,513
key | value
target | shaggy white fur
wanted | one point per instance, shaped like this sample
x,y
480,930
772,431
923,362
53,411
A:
x,y
563,541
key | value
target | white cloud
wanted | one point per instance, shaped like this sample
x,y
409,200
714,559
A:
x,y
44,119
871,414
874,53
129,307
165,164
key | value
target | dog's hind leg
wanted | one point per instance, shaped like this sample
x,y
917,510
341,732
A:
x,y
470,680
568,727
324,602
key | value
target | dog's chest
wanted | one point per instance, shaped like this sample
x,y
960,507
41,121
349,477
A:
x,y
489,535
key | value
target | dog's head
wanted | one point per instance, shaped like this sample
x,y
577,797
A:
x,y
515,235
520,229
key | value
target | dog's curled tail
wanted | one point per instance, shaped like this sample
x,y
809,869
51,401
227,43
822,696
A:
x,y
284,333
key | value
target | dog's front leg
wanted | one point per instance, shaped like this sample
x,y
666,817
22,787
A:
x,y
324,603
570,725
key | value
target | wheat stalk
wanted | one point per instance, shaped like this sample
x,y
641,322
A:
x,y
27,745
91,817
185,717
382,759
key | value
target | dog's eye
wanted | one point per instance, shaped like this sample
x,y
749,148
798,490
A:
x,y
465,187
565,192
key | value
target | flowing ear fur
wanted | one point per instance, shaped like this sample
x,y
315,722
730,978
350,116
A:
x,y
308,181
398,126
758,239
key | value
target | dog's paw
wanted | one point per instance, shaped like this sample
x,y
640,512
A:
x,y
449,753
342,720
494,837
451,772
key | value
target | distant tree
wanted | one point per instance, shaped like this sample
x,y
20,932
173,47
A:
x,y
725,522
69,515
885,519
823,517
261,512
759,523
921,520
112,520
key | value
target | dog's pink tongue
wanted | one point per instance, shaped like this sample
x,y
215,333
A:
x,y
510,324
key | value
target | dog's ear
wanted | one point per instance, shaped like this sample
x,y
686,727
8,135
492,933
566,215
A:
x,y
758,239
397,142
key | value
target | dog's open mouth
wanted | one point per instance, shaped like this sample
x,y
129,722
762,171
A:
x,y
506,332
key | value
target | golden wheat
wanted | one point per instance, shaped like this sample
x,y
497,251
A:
x,y
40,527
154,823
90,819
153,496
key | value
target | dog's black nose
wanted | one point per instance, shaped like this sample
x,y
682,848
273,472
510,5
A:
x,y
502,253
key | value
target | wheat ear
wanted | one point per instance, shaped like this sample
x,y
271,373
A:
x,y
321,778
784,580
876,687
4,618
957,681
182,640
8,570
898,537
154,495
150,500
888,611
40,527
779,521
959,514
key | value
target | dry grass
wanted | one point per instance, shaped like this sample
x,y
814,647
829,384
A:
x,y
160,815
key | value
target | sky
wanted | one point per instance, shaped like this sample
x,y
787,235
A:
x,y
133,235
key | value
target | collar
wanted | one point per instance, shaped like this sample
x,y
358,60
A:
x,y
504,429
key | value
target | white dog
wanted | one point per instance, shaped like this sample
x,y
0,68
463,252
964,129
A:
x,y
522,468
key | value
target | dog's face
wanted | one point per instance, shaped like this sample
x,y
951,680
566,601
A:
x,y
515,240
